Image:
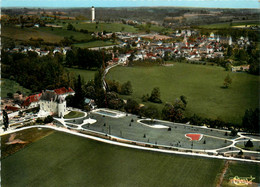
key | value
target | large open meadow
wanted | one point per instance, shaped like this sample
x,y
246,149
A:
x,y
66,160
201,84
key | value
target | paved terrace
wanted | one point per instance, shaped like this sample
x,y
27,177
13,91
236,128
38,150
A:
x,y
130,129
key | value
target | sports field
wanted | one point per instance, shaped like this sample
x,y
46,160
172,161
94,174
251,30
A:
x,y
65,160
201,84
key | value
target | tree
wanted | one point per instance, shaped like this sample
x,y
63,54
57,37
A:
x,y
70,58
145,98
89,91
155,95
184,100
5,120
126,88
233,132
113,101
79,94
132,106
249,143
9,95
150,112
250,120
227,81
70,27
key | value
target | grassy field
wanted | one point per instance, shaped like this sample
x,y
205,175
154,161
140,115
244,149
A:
x,y
85,74
9,86
45,33
73,114
228,25
66,160
200,84
242,170
97,43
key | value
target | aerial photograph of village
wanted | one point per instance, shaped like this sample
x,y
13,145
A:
x,y
149,93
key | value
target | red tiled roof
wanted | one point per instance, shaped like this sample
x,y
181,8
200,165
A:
x,y
60,91
31,99
63,90
115,59
12,108
70,90
150,54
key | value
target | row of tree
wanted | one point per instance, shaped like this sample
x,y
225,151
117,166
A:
x,y
34,72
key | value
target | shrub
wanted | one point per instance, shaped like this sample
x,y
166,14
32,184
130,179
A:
x,y
249,143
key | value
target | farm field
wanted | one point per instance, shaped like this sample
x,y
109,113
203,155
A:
x,y
67,160
228,25
201,84
48,35
85,74
9,86
94,44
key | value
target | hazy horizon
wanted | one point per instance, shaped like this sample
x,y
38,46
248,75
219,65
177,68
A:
x,y
247,4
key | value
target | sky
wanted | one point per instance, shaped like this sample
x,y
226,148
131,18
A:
x,y
132,3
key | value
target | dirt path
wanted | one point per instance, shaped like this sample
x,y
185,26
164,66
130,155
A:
x,y
223,174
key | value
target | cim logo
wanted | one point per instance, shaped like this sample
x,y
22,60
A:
x,y
241,181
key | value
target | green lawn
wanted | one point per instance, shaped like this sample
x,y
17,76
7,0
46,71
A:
x,y
98,43
66,160
200,84
85,74
9,86
74,114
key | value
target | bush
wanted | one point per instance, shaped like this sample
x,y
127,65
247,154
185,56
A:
x,y
145,98
233,132
39,120
48,119
249,143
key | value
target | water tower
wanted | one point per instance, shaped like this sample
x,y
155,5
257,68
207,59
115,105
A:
x,y
93,14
